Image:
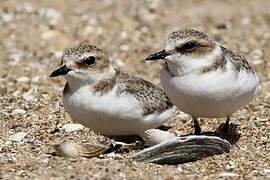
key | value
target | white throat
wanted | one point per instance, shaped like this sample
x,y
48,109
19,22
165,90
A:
x,y
182,64
80,79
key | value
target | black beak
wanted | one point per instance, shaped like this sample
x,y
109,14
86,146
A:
x,y
159,55
61,71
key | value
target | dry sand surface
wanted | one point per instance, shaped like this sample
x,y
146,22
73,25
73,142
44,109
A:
x,y
34,34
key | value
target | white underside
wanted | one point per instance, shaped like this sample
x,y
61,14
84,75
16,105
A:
x,y
111,114
214,94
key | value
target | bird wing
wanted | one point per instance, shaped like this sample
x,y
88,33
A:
x,y
239,62
152,98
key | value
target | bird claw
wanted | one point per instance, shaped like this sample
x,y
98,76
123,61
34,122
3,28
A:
x,y
228,131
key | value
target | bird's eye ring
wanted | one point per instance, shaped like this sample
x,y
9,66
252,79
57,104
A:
x,y
91,60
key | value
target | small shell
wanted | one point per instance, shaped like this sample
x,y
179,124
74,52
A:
x,y
69,149
156,136
179,150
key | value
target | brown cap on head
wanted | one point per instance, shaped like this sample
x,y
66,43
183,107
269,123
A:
x,y
188,34
84,57
185,42
81,49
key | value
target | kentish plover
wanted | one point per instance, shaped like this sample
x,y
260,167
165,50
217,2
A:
x,y
105,99
203,78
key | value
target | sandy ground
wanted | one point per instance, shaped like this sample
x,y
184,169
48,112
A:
x,y
34,34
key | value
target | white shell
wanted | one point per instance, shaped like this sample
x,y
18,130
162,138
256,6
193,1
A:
x,y
156,136
178,150
69,149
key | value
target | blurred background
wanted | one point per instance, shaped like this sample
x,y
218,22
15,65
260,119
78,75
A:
x,y
33,36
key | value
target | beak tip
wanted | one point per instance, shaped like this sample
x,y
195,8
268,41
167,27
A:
x,y
52,74
156,56
60,71
148,58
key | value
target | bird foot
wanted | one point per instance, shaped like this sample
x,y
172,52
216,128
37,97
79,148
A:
x,y
228,131
197,131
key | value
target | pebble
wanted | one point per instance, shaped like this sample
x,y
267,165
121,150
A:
x,y
124,34
28,96
119,62
228,174
115,155
23,79
72,127
124,47
15,58
59,39
257,62
51,34
246,21
17,137
266,172
27,7
183,116
88,30
36,79
180,169
50,13
18,111
257,54
7,17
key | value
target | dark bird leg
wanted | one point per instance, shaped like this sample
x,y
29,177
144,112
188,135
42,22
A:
x,y
227,125
197,128
228,131
224,128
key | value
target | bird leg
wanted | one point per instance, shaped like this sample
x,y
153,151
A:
x,y
225,127
227,124
197,128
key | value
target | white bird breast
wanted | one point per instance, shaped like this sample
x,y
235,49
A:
x,y
216,93
110,114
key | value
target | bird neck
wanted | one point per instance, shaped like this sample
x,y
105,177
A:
x,y
90,80
184,65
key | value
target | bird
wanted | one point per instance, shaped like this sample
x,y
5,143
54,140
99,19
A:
x,y
203,78
107,100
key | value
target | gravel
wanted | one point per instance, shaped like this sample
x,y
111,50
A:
x,y
35,33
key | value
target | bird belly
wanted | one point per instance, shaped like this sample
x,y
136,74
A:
x,y
214,94
109,114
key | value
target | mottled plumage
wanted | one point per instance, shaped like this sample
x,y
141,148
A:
x,y
107,100
239,62
152,98
188,34
175,43
203,78
79,50
220,64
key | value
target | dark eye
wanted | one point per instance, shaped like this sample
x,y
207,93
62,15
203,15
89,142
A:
x,y
91,60
189,46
